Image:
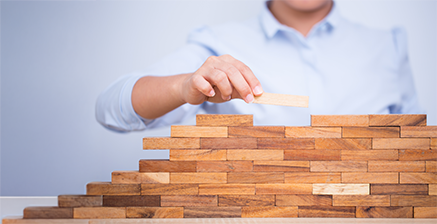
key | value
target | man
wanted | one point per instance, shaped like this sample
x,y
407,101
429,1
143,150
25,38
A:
x,y
299,47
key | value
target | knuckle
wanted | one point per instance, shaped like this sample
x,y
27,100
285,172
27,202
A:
x,y
211,59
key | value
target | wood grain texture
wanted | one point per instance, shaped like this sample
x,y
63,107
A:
x,y
365,155
290,166
70,201
338,166
169,189
198,131
257,132
171,143
131,200
224,166
416,131
221,189
312,154
370,132
308,177
414,200
397,120
417,154
400,143
212,212
99,213
286,143
167,166
432,189
106,188
20,220
396,166
282,100
425,212
135,177
362,177
326,211
418,178
46,212
433,143
204,178
255,154
399,189
303,200
246,200
188,201
269,211
339,120
154,212
224,120
384,212
361,200
341,189
256,177
228,143
284,189
197,155
343,143
431,166
312,132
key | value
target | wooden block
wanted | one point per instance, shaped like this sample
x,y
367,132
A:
x,y
303,200
198,154
191,178
397,120
338,166
396,166
431,166
99,213
169,189
106,188
400,189
135,177
246,200
312,132
312,154
417,154
45,212
308,177
365,155
341,189
418,178
286,143
284,188
414,200
255,154
131,200
171,143
400,143
340,120
417,131
343,143
425,212
384,212
224,120
224,166
198,131
433,143
188,201
326,211
228,143
70,201
291,166
257,131
361,200
256,177
212,212
221,189
167,166
370,132
154,212
432,189
381,178
282,100
268,211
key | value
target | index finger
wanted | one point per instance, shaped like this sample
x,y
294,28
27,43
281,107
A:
x,y
247,73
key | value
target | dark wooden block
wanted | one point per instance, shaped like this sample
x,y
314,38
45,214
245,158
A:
x,y
246,200
327,211
188,201
361,200
131,200
228,143
212,212
400,189
384,212
397,120
414,131
70,201
256,177
414,200
268,211
45,212
167,166
286,143
169,189
257,131
312,154
154,212
303,200
106,188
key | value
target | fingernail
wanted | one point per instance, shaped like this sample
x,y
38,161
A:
x,y
212,93
229,97
249,98
258,90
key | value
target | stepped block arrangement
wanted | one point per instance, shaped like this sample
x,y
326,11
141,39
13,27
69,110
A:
x,y
354,166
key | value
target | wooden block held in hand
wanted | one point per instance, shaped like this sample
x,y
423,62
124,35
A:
x,y
284,189
257,132
131,200
99,213
303,200
327,211
425,212
384,212
197,178
397,120
198,131
396,166
399,189
255,154
310,177
221,189
268,211
312,132
290,166
256,177
416,131
339,120
45,212
343,143
417,154
366,155
135,177
400,143
171,143
414,200
363,177
282,100
70,201
224,120
341,189
228,143
154,212
338,166
246,200
361,200
198,155
370,132
224,166
167,166
188,201
286,143
169,189
106,188
418,178
212,212
312,154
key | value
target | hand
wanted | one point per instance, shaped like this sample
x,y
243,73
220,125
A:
x,y
221,79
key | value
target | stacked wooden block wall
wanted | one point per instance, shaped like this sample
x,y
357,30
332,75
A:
x,y
341,166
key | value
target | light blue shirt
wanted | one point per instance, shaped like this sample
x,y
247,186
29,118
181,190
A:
x,y
344,68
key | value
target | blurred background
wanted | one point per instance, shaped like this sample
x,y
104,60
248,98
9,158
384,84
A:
x,y
57,56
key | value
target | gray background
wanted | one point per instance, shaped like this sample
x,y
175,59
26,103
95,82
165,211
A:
x,y
57,56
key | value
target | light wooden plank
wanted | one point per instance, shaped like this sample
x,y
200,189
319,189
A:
x,y
167,166
246,200
99,213
341,189
286,166
70,201
312,154
228,143
366,155
432,189
257,132
154,212
400,143
312,132
135,177
198,131
370,132
269,211
397,120
303,200
418,178
286,143
222,189
396,166
224,120
338,166
282,100
310,177
198,155
255,154
343,143
212,212
224,166
169,189
425,212
106,188
256,177
284,189
417,154
416,131
373,178
204,178
171,143
339,120
361,200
